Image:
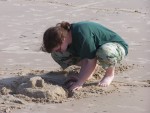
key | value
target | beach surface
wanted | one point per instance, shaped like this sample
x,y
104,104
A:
x,y
31,82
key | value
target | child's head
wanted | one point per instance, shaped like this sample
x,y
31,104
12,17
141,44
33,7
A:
x,y
54,36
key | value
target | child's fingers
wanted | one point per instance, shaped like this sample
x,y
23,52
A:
x,y
77,88
68,83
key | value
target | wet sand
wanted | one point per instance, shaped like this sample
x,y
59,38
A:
x,y
30,81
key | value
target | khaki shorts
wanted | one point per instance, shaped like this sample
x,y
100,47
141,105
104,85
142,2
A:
x,y
108,55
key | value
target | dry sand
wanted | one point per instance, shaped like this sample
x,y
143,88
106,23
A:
x,y
31,82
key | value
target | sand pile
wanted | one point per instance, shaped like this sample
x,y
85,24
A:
x,y
37,88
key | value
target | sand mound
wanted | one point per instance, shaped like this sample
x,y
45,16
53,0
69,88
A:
x,y
37,88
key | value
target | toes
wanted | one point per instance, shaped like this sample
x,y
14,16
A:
x,y
106,81
103,84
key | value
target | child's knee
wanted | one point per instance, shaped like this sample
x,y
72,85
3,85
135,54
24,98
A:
x,y
61,58
64,59
110,54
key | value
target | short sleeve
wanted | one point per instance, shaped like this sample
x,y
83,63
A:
x,y
88,48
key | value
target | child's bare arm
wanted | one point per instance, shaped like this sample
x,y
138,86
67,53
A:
x,y
87,67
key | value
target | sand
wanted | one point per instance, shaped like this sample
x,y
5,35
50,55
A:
x,y
44,87
30,81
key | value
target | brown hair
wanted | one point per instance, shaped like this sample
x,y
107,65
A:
x,y
54,36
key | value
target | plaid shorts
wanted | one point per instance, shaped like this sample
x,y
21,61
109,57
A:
x,y
108,55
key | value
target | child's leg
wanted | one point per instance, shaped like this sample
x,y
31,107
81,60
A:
x,y
64,59
109,55
108,77
96,68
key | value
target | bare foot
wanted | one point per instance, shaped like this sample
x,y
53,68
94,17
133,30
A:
x,y
106,80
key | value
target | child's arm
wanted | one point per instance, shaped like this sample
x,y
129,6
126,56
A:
x,y
87,68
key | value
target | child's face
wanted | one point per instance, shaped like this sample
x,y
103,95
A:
x,y
62,47
57,49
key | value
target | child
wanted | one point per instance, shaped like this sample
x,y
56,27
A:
x,y
83,43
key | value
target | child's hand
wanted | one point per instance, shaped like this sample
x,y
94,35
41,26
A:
x,y
73,83
68,83
75,86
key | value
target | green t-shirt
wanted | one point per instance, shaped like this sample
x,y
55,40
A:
x,y
87,37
